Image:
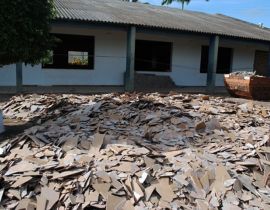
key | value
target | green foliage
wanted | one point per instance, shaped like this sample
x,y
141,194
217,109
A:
x,y
167,2
24,30
171,1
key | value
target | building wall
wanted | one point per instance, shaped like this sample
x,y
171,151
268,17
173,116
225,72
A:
x,y
110,60
186,58
8,75
109,63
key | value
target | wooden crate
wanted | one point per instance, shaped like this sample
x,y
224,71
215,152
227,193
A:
x,y
250,87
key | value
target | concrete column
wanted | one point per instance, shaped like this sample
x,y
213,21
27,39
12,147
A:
x,y
2,129
268,64
212,63
19,77
130,72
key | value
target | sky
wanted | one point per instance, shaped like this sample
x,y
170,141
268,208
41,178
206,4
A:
x,y
255,11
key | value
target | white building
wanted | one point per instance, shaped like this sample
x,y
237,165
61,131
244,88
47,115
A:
x,y
107,43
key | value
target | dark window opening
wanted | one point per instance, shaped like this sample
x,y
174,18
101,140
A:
x,y
153,56
71,52
224,65
261,62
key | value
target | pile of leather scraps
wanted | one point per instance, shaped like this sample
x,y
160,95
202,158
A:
x,y
243,73
134,151
30,107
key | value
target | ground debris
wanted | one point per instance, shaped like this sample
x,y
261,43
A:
x,y
136,151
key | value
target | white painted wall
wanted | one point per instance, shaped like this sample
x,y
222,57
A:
x,y
8,75
109,63
186,58
243,58
110,60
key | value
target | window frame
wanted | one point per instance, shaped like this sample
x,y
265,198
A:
x,y
153,43
218,71
67,47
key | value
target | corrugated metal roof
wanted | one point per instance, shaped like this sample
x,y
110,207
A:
x,y
121,12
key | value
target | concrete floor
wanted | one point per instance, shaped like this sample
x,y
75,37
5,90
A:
x,y
62,89
102,89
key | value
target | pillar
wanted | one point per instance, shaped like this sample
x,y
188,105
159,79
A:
x,y
212,63
130,72
19,77
2,129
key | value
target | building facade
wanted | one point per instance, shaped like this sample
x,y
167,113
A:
x,y
108,54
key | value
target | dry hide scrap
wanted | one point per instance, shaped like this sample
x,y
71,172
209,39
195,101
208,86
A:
x,y
135,151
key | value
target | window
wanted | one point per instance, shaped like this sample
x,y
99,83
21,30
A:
x,y
71,52
224,64
78,58
153,56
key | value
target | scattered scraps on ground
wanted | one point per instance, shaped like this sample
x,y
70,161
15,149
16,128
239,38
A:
x,y
136,151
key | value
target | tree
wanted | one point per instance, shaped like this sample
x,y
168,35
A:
x,y
24,33
25,30
167,2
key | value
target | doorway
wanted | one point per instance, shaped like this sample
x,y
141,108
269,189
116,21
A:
x,y
261,62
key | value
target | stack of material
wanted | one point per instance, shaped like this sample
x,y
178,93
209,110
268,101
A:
x,y
243,73
29,107
32,107
141,152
